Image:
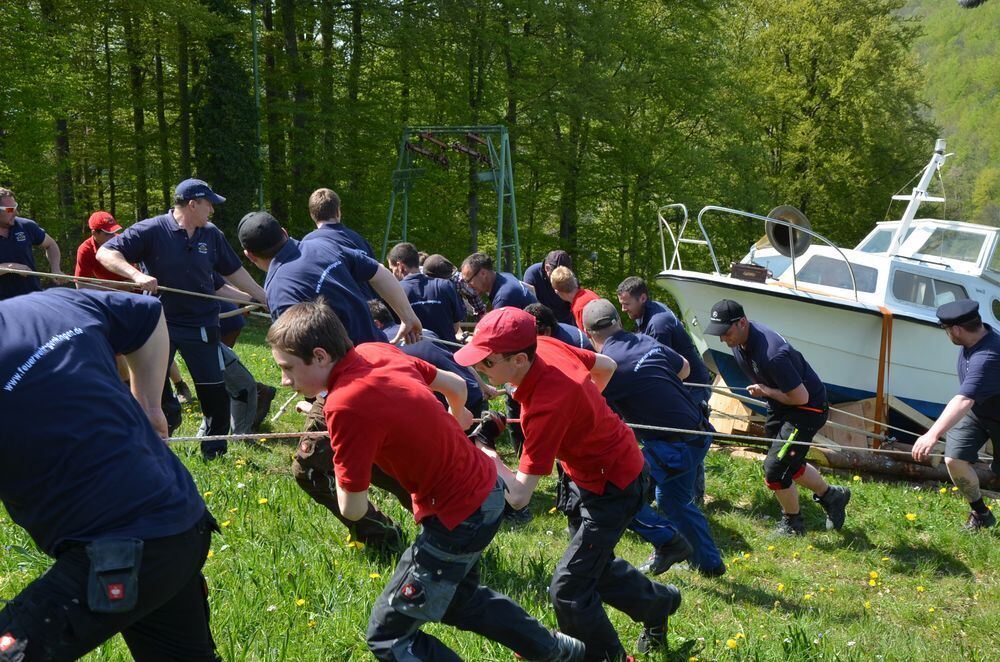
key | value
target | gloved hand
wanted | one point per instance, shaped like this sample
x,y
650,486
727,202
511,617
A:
x,y
490,429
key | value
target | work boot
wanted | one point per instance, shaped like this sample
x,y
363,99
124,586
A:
x,y
834,502
978,521
717,571
183,392
652,639
516,517
567,649
791,525
265,396
673,551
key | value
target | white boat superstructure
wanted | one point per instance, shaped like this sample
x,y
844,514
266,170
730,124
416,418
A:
x,y
863,317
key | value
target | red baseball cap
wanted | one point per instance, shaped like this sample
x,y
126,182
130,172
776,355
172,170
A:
x,y
102,220
500,331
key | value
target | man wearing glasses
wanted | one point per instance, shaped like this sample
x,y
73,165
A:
x,y
503,289
17,236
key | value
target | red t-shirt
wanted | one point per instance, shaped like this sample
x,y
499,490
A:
x,y
380,411
564,416
580,301
88,266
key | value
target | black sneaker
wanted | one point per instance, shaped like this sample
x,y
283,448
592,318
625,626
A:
x,y
518,517
652,639
979,521
265,396
717,571
791,525
676,550
183,392
834,502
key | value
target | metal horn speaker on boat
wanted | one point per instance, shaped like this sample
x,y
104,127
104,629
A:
x,y
783,237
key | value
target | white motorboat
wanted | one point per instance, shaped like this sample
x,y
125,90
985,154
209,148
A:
x,y
863,317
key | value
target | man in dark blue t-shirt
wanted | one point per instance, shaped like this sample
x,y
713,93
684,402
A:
x,y
17,237
182,250
94,485
796,410
972,417
324,209
537,275
546,325
435,301
647,389
503,289
654,319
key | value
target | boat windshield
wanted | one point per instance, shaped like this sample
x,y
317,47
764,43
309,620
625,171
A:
x,y
953,244
995,260
833,272
878,241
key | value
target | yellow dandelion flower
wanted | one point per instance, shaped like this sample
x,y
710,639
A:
x,y
356,544
262,501
831,589
857,479
208,494
552,510
241,463
920,589
795,555
885,558
740,635
807,596
226,523
731,644
930,610
911,517
872,575
868,604
746,555
693,659
264,441
943,490
374,575
211,553
872,582
954,489
770,548
233,510
781,587
809,547
920,497
300,602
312,623
822,589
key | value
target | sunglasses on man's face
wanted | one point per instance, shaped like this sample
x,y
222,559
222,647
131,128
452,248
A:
x,y
489,363
9,209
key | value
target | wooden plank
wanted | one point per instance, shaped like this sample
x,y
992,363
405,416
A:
x,y
915,416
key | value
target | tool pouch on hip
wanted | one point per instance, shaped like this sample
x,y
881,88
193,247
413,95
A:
x,y
113,581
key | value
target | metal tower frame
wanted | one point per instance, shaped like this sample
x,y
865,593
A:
x,y
499,173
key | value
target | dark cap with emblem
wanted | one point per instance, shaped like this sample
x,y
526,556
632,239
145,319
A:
x,y
599,314
196,189
958,312
724,314
259,232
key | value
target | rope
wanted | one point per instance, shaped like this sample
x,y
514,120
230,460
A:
x,y
127,283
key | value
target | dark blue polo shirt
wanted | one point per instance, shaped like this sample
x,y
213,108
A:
x,y
303,270
439,357
645,388
768,359
571,335
435,303
78,457
660,322
347,238
233,322
181,262
16,247
509,291
979,369
535,276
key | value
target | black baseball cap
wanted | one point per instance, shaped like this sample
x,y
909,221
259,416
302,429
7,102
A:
x,y
958,312
259,232
724,313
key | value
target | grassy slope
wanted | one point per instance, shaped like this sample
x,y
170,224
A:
x,y
935,594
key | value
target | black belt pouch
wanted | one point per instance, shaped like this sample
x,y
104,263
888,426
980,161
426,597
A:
x,y
113,581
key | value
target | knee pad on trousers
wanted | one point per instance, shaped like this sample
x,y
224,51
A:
x,y
776,474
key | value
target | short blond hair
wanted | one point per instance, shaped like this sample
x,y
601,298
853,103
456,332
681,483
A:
x,y
563,280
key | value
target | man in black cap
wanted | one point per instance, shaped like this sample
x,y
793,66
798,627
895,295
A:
x,y
796,410
538,274
181,249
973,415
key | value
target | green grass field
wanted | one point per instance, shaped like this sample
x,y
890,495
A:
x,y
900,582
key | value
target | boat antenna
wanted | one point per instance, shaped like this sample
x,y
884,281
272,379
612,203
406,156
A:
x,y
918,195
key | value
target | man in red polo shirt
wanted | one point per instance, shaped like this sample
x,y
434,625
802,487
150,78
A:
x,y
380,410
567,287
103,226
565,417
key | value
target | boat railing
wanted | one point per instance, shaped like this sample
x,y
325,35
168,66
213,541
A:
x,y
679,239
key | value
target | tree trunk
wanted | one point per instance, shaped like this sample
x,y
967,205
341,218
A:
x,y
355,171
327,109
133,52
299,152
273,92
109,129
161,124
183,101
64,168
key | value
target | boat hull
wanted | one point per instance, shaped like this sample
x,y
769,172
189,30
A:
x,y
840,339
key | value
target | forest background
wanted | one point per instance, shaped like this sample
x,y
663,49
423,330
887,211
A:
x,y
614,108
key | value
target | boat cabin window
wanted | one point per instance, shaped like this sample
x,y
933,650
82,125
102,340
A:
x,y
995,260
996,309
878,241
924,290
953,245
833,272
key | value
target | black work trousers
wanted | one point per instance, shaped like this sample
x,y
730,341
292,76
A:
x,y
50,619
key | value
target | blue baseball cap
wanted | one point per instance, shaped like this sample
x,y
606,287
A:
x,y
196,189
